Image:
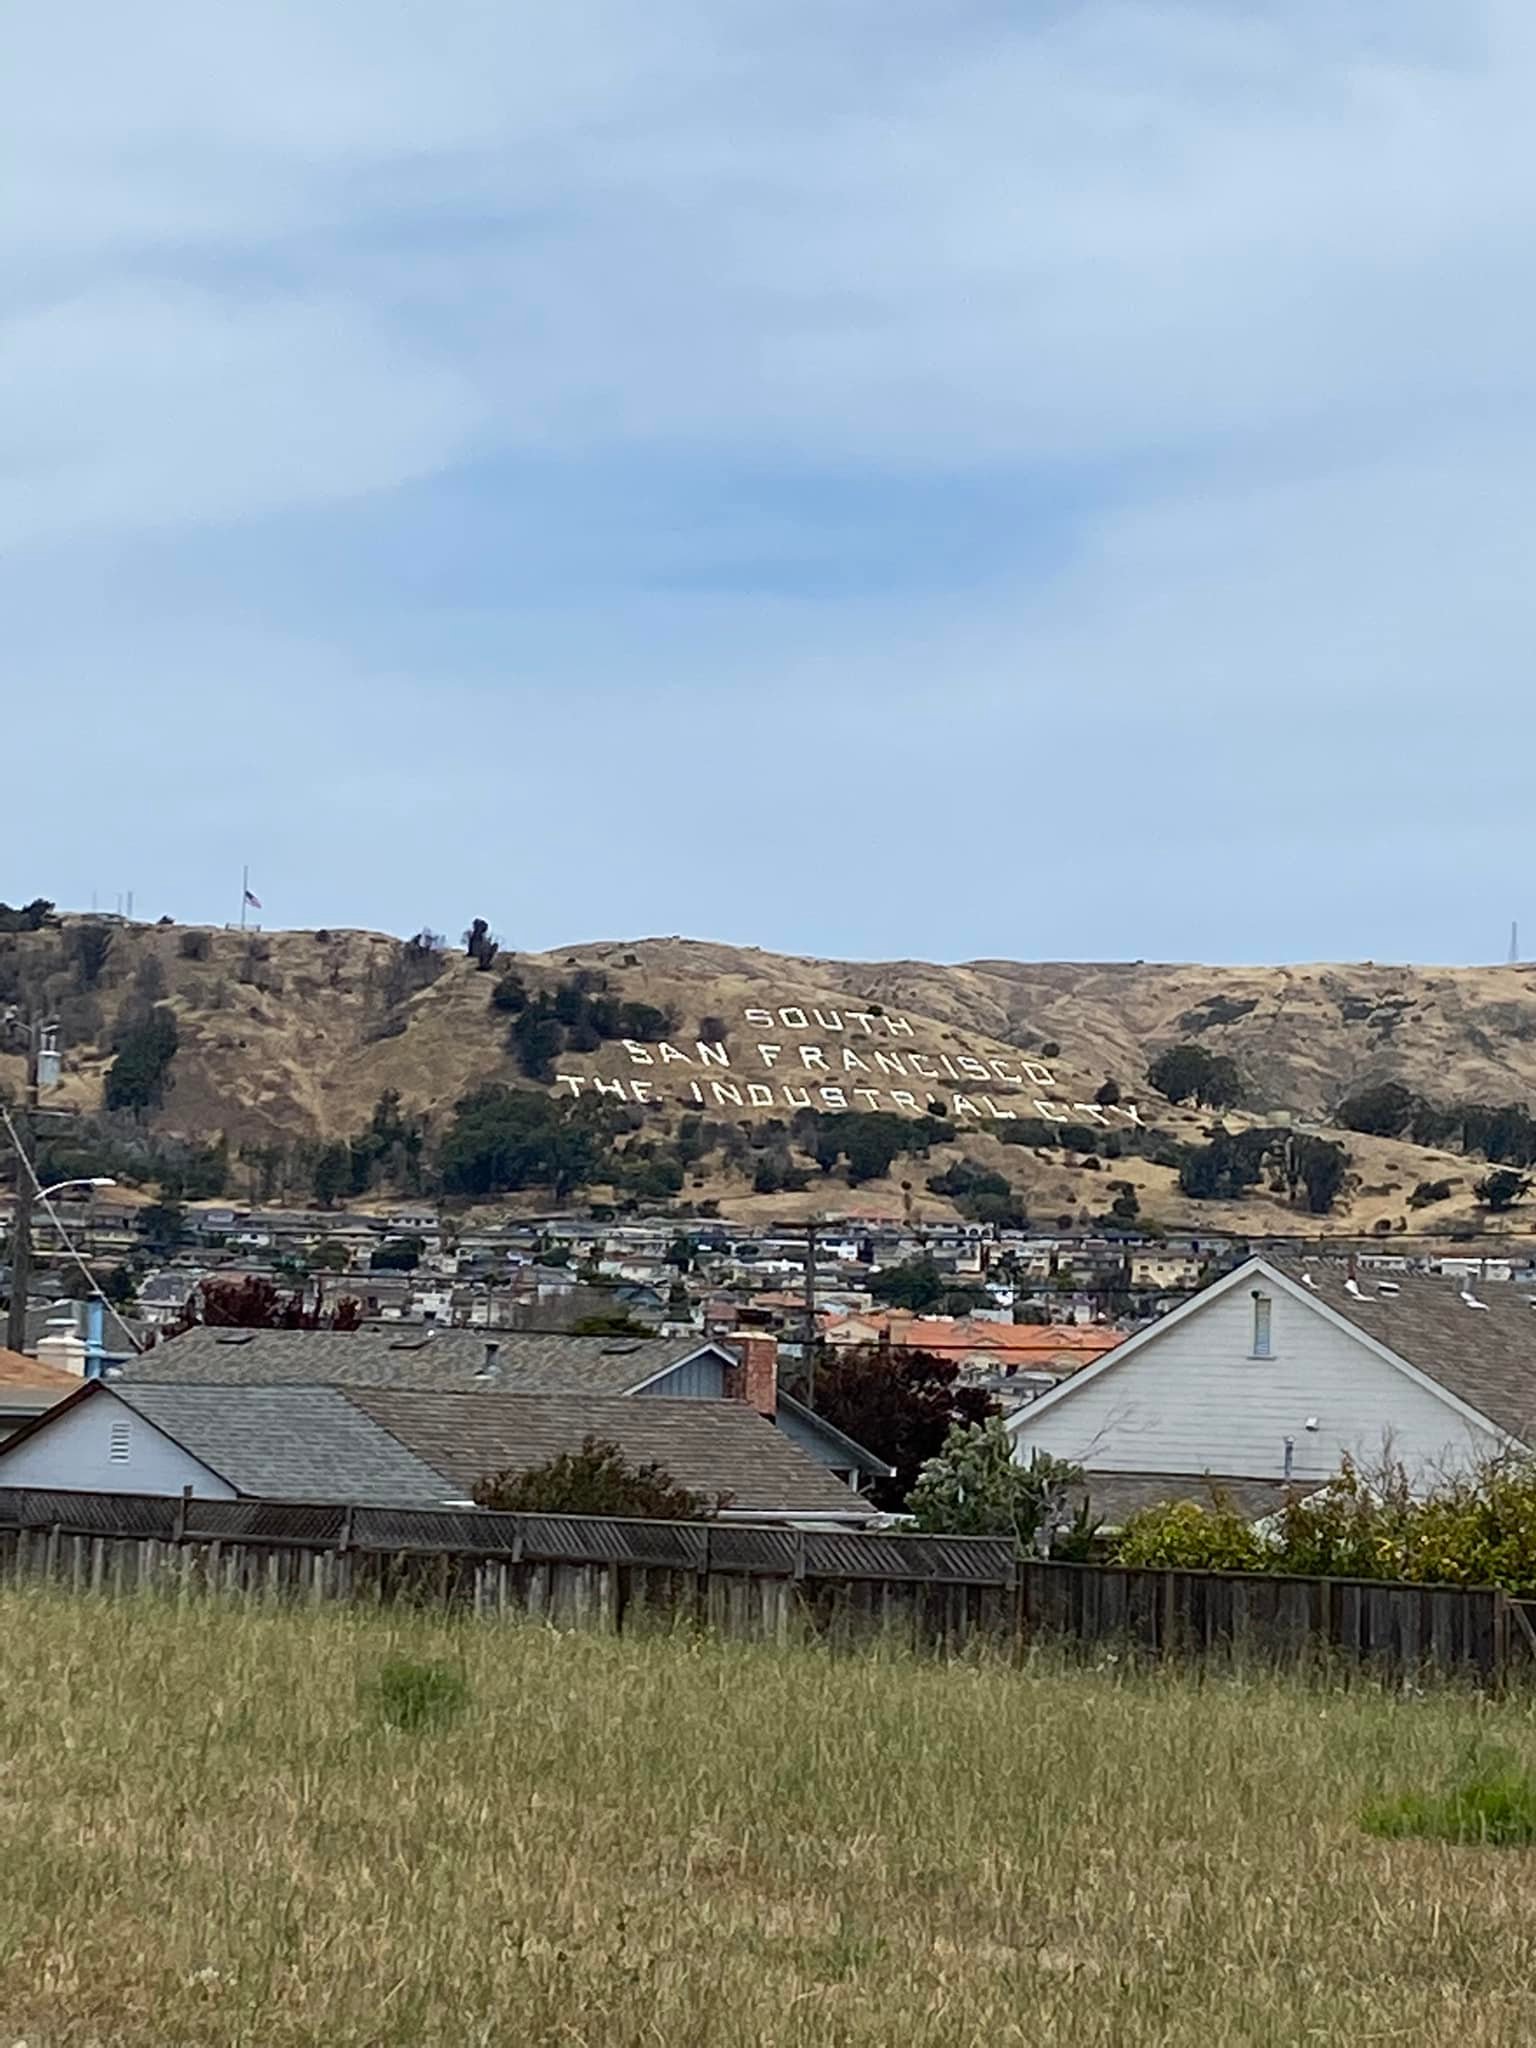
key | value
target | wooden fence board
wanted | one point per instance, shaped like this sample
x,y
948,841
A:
x,y
1394,1630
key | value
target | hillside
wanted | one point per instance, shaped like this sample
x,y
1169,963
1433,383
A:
x,y
286,1040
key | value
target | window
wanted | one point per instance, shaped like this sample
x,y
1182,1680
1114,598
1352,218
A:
x,y
1263,1316
119,1442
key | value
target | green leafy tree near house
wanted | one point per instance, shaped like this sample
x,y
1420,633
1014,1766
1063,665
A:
x,y
596,1480
975,1487
915,1284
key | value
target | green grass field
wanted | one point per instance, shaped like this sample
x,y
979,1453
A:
x,y
213,1835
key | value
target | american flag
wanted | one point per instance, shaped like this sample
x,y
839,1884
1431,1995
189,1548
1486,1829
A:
x,y
253,900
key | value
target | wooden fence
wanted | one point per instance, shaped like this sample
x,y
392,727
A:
x,y
947,1593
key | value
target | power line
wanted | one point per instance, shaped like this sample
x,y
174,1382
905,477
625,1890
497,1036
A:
x,y
44,1201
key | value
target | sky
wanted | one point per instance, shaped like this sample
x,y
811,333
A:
x,y
871,478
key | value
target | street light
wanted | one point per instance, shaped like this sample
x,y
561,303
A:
x,y
21,1243
89,1180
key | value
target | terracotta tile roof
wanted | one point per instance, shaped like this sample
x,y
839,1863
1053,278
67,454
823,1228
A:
x,y
1017,1342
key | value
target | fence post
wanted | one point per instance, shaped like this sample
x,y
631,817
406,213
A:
x,y
179,1518
799,1570
344,1539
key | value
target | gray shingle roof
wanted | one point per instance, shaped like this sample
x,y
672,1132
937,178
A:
x,y
1114,1497
290,1443
1485,1357
408,1356
710,1447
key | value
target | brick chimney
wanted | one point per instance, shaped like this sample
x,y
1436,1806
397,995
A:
x,y
755,1376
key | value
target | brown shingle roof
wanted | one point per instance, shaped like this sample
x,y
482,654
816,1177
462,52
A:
x,y
1484,1356
20,1374
711,1447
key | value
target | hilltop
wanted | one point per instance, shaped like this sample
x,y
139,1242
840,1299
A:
x,y
286,1041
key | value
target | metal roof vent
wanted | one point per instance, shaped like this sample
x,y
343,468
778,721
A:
x,y
1472,1301
235,1337
619,1350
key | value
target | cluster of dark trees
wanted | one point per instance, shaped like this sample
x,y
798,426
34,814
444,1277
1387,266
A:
x,y
1188,1073
30,917
1502,1133
576,1016
1307,1170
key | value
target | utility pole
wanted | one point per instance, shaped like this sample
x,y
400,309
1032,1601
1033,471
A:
x,y
810,1315
25,1122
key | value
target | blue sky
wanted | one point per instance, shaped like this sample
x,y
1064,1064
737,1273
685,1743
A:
x,y
924,478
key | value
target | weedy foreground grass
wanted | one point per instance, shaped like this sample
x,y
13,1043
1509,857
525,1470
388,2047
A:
x,y
214,1836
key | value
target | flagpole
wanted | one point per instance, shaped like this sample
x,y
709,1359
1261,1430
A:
x,y
245,891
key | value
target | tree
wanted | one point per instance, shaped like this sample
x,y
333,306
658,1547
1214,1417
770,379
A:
x,y
1125,1208
536,1040
510,993
1107,1094
479,944
30,918
900,1404
329,1256
396,1255
137,1077
1226,1168
1428,1192
503,1139
596,1480
162,1225
1322,1169
681,1252
1501,1189
975,1487
1385,1111
89,944
1188,1073
333,1175
915,1284
257,1303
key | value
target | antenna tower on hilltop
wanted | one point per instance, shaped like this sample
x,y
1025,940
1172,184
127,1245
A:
x,y
1514,945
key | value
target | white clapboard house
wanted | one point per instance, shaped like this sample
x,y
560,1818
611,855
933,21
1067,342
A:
x,y
1277,1372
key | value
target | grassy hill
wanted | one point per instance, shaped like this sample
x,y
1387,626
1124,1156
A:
x,y
286,1040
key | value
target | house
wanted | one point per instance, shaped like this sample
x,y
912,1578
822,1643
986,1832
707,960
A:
x,y
1279,1370
404,1447
979,1345
419,1359
29,1388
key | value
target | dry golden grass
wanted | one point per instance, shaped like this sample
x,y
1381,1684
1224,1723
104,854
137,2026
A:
x,y
211,1838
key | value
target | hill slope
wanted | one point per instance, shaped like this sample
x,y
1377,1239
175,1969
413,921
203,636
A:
x,y
289,1038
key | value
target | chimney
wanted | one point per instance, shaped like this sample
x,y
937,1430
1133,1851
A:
x,y
755,1376
491,1368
